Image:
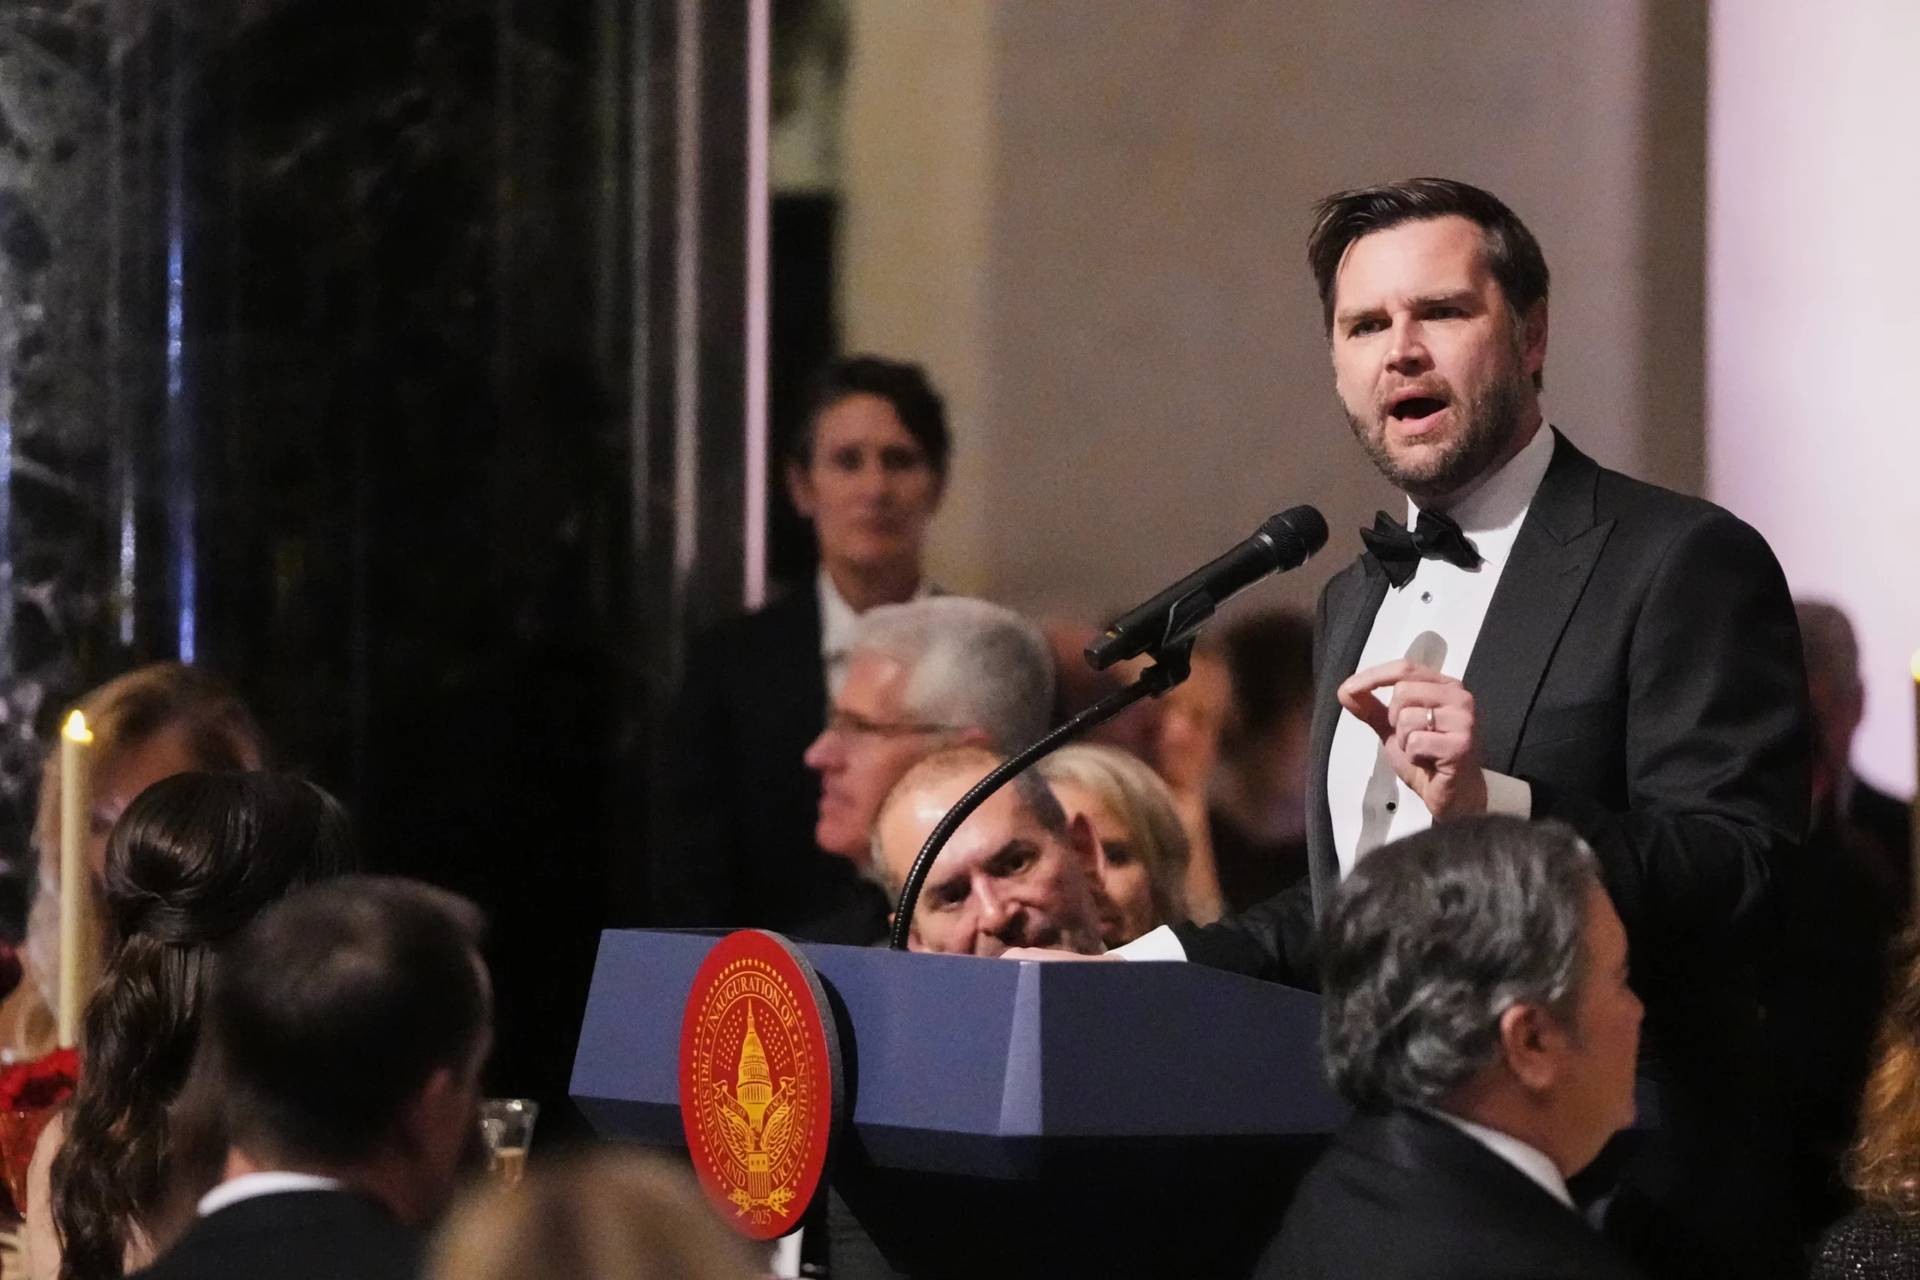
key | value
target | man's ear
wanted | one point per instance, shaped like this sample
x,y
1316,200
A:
x,y
427,1113
800,488
1533,337
1531,1041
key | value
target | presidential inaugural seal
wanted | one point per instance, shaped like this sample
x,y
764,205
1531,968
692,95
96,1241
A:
x,y
760,1085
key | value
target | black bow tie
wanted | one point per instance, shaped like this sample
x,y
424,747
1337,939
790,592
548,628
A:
x,y
1399,551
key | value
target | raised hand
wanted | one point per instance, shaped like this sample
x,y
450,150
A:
x,y
1428,731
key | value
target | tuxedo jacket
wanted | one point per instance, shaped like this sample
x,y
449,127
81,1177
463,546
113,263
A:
x,y
740,803
1639,666
1405,1194
295,1235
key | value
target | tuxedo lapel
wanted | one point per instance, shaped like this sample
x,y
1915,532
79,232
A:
x,y
1353,598
1553,556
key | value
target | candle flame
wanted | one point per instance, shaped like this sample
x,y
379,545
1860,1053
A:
x,y
76,729
1916,664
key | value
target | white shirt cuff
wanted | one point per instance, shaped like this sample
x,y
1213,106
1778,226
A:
x,y
1155,944
1511,796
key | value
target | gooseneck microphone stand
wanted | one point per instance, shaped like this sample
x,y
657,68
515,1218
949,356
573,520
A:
x,y
1170,667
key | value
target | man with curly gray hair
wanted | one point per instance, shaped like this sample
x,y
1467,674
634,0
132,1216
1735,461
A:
x,y
1477,1016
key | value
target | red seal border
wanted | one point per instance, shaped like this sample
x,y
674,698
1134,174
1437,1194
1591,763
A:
x,y
823,1064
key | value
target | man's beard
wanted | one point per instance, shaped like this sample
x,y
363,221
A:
x,y
1488,423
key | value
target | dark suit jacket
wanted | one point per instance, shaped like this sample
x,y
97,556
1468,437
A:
x,y
740,801
1640,667
1888,823
1403,1194
295,1235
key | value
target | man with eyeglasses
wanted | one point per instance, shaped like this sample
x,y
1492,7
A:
x,y
942,672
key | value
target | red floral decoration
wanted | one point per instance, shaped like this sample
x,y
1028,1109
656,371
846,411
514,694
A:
x,y
30,1094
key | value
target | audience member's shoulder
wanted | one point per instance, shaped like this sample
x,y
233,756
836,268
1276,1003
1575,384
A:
x,y
1888,817
1870,1241
321,1235
791,609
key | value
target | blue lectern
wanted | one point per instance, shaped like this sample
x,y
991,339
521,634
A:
x,y
1012,1119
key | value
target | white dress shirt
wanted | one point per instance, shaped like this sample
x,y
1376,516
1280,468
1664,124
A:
x,y
839,621
1434,618
1529,1160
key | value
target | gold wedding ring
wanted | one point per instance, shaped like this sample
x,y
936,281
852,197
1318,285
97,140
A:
x,y
1429,719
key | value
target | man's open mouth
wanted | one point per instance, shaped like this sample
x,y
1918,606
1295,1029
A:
x,y
1415,408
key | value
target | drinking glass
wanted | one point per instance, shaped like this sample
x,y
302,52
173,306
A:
x,y
506,1125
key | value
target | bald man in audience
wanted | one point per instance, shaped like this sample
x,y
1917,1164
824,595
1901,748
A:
x,y
1017,873
947,671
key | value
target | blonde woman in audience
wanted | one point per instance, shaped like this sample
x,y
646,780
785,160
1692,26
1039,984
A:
x,y
1143,851
612,1214
148,724
193,859
1881,1238
1186,751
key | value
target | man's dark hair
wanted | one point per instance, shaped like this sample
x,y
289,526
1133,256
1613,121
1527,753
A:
x,y
335,1006
1433,938
903,385
1513,255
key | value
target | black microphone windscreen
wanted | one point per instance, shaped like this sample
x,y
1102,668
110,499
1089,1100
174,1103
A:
x,y
1297,532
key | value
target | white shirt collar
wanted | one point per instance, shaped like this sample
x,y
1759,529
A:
x,y
249,1185
1490,516
1529,1160
839,622
838,619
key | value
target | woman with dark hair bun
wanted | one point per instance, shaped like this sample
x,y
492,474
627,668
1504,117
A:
x,y
192,859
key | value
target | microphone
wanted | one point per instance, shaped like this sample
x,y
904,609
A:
x,y
1283,542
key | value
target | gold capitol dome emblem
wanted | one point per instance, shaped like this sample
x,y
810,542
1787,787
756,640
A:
x,y
755,1093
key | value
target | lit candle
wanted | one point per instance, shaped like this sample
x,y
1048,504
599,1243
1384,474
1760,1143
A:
x,y
77,971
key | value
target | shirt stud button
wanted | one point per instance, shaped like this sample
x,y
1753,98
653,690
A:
x,y
1393,806
1426,597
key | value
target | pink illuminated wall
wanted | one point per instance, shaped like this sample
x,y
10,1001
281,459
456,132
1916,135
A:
x,y
1813,318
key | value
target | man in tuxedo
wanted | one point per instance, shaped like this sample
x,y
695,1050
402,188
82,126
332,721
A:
x,y
1844,803
735,846
1842,907
344,1041
1556,640
1478,1017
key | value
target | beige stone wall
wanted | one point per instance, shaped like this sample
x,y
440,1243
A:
x,y
1812,329
1106,266
916,167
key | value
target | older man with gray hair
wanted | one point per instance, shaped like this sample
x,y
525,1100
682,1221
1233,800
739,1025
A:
x,y
1477,1015
1017,873
947,671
